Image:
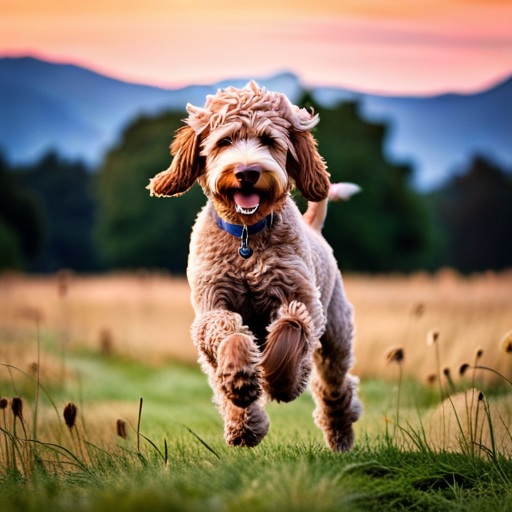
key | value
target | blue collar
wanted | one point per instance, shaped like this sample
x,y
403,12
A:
x,y
236,229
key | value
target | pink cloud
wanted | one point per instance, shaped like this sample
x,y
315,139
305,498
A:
x,y
459,49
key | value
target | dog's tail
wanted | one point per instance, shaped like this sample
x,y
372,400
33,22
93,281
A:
x,y
316,212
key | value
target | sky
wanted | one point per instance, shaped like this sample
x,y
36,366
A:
x,y
416,47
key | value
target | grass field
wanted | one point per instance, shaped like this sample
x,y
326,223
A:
x,y
105,342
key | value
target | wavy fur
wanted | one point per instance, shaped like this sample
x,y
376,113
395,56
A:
x,y
264,324
186,167
308,168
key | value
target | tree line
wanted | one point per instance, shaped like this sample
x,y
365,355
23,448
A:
x,y
58,214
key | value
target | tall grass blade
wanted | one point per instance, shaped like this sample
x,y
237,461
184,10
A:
x,y
494,371
36,401
138,425
465,447
10,366
154,446
56,447
15,449
202,442
111,455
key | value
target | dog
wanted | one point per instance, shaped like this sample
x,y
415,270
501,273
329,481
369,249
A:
x,y
271,312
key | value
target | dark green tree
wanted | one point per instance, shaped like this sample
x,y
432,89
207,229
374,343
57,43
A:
x,y
20,221
134,229
388,226
475,213
385,228
64,192
10,256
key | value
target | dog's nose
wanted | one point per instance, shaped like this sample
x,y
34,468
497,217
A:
x,y
248,174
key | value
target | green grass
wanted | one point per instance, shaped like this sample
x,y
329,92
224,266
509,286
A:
x,y
291,469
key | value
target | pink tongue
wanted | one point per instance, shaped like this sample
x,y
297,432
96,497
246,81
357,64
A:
x,y
246,200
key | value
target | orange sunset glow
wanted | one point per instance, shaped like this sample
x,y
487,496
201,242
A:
x,y
399,47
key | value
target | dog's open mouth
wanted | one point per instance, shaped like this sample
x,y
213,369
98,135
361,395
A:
x,y
246,201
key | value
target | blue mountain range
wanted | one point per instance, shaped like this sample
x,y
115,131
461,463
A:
x,y
81,114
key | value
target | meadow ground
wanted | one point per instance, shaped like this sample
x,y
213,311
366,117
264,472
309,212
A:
x,y
107,341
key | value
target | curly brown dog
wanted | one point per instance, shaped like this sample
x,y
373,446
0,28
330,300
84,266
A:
x,y
267,293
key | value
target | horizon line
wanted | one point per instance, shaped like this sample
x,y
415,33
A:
x,y
489,84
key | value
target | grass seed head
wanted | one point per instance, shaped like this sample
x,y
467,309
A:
x,y
431,379
463,369
432,337
62,289
30,313
121,429
4,402
506,345
418,310
17,407
106,341
63,282
70,412
447,372
479,353
395,355
480,396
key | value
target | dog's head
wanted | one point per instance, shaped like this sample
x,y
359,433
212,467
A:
x,y
246,148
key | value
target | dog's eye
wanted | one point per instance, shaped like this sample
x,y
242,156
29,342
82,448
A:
x,y
266,140
222,143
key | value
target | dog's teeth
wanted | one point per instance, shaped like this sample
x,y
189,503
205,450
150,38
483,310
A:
x,y
246,211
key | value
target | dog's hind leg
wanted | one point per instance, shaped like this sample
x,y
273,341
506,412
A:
x,y
334,389
230,357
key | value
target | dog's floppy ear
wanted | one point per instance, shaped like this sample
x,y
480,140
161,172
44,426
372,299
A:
x,y
308,168
186,167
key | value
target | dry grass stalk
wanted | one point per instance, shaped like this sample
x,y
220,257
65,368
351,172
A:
x,y
138,424
4,402
396,355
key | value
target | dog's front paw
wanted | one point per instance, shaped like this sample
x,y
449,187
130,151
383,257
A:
x,y
245,427
238,369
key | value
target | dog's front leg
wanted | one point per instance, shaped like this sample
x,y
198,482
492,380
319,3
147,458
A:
x,y
230,357
292,337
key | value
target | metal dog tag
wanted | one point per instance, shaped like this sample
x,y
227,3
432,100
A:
x,y
245,251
